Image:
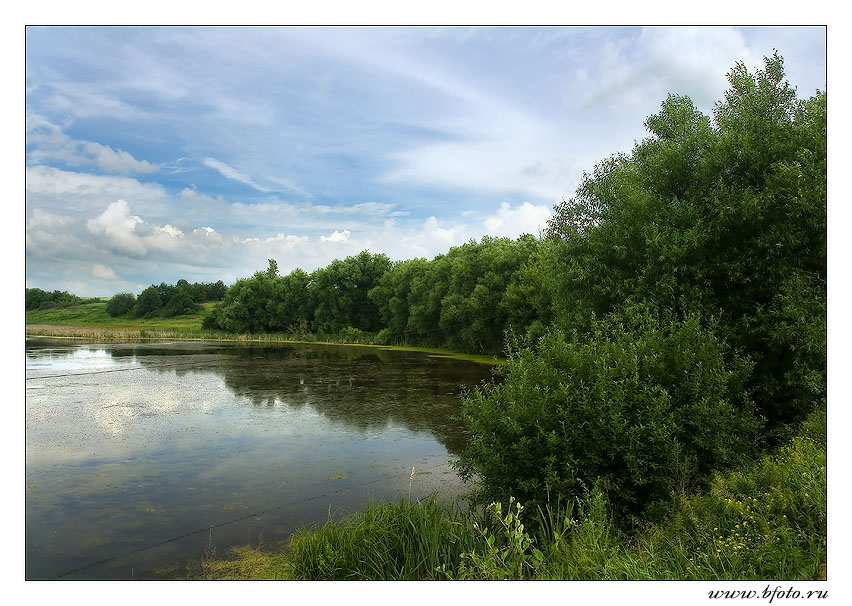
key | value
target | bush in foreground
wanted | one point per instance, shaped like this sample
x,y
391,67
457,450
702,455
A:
x,y
641,407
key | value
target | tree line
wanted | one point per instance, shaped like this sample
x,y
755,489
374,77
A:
x,y
36,298
462,300
165,300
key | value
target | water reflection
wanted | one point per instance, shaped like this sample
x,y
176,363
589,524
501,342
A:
x,y
131,445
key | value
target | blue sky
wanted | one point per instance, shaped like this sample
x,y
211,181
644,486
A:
x,y
154,154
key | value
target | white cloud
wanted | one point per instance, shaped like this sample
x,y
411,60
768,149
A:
x,y
632,76
50,238
118,161
337,236
49,142
170,231
230,172
103,272
126,233
115,227
509,222
50,187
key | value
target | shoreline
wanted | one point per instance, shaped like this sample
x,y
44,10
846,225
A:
x,y
61,331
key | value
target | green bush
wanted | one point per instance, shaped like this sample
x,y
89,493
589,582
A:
x,y
350,334
640,407
120,304
765,520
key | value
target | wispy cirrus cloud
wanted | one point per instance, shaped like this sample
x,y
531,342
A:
x,y
229,172
48,142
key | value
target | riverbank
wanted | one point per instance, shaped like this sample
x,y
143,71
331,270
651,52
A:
x,y
91,322
765,520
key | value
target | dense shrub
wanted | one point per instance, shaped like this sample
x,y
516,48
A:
x,y
639,407
120,304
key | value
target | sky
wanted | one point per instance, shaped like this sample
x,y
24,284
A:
x,y
155,154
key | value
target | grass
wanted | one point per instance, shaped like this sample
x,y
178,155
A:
x,y
765,521
93,316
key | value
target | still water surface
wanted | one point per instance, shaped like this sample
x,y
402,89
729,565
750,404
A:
x,y
141,456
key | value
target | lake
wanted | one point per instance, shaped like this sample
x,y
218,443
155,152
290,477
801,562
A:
x,y
142,457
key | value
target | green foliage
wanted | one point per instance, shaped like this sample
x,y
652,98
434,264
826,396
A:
x,y
167,301
765,520
724,219
463,300
508,555
120,304
328,300
340,293
180,302
393,541
350,334
640,407
148,304
36,298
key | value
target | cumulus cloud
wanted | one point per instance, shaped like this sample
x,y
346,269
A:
x,y
123,232
526,218
115,227
337,236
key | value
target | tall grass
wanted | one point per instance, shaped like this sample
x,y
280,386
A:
x,y
765,521
394,541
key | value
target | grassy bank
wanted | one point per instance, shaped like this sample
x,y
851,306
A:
x,y
766,520
92,322
94,317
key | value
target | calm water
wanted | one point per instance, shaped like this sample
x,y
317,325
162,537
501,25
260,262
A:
x,y
140,456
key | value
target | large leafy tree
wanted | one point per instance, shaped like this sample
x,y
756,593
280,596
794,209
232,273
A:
x,y
723,217
340,291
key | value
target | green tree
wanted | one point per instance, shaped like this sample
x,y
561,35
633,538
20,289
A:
x,y
340,292
120,304
148,303
724,218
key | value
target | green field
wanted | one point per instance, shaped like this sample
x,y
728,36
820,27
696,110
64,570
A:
x,y
95,316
